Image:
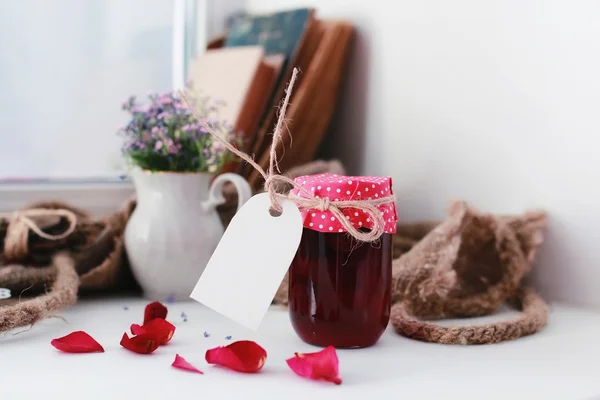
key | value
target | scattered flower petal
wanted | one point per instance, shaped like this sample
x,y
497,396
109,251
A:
x,y
227,337
181,363
206,334
137,329
154,310
323,364
141,344
77,342
241,356
170,300
161,329
125,308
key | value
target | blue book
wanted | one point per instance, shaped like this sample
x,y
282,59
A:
x,y
277,33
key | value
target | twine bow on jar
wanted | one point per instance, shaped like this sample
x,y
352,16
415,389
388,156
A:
x,y
306,200
21,222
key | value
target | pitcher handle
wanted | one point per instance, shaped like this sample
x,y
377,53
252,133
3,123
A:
x,y
215,193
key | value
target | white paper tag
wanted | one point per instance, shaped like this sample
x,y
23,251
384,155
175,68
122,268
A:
x,y
250,261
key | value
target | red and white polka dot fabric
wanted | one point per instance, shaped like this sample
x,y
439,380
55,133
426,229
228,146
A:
x,y
336,188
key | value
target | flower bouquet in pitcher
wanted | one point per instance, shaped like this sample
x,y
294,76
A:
x,y
175,227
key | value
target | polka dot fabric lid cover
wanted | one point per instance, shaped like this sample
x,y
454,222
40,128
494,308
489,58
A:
x,y
337,188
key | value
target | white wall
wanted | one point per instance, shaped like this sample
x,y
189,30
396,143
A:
x,y
496,102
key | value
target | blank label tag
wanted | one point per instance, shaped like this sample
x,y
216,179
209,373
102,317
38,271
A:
x,y
250,261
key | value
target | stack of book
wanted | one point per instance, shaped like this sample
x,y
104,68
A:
x,y
248,69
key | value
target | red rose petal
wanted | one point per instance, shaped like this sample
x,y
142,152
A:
x,y
323,364
145,343
181,363
241,356
162,330
77,342
154,310
137,330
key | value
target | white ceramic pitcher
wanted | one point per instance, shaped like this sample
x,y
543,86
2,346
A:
x,y
175,228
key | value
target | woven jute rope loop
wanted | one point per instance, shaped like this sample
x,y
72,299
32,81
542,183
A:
x,y
63,293
305,200
534,317
21,222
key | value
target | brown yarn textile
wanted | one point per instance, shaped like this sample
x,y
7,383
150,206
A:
x,y
90,258
469,265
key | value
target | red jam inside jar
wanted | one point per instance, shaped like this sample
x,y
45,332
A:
x,y
340,287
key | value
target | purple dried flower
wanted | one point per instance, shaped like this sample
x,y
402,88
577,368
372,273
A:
x,y
129,103
179,141
164,99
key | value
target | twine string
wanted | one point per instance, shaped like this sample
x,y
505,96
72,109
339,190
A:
x,y
304,200
21,222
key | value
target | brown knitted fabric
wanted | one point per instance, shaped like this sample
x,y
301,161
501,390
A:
x,y
89,259
466,266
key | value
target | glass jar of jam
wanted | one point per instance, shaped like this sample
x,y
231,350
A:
x,y
340,287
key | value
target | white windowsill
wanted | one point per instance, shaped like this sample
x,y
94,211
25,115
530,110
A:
x,y
97,198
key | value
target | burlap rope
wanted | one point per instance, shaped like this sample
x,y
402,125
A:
x,y
63,293
20,222
64,289
534,317
272,178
